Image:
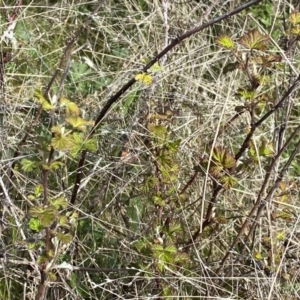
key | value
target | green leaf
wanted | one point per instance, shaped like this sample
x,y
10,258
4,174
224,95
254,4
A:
x,y
52,277
258,255
59,202
294,18
72,217
221,156
141,244
71,107
79,123
157,200
182,258
173,146
295,30
38,190
157,250
175,228
61,141
161,266
48,216
35,224
225,41
64,238
36,211
254,40
80,144
41,100
167,292
90,145
171,249
63,221
56,165
266,149
28,165
246,94
158,131
144,78
228,182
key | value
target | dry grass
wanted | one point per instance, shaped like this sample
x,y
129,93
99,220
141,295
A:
x,y
127,202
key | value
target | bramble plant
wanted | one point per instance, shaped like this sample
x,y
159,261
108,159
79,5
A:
x,y
149,155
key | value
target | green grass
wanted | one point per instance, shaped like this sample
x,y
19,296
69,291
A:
x,y
162,191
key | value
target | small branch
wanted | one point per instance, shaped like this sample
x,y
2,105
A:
x,y
266,116
189,183
123,89
258,202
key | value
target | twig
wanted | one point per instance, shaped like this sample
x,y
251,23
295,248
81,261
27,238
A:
x,y
123,89
258,204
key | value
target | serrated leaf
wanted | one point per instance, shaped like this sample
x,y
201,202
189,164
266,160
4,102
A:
x,y
35,224
63,221
50,254
42,259
45,167
59,202
173,146
79,123
228,182
157,200
223,157
282,185
36,211
144,78
73,217
175,228
225,41
266,149
171,249
48,216
283,215
31,246
267,60
161,266
158,131
167,292
60,141
295,30
254,40
246,94
80,144
90,145
38,190
140,244
181,257
41,100
57,129
294,18
56,165
264,79
28,165
71,107
64,238
157,249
